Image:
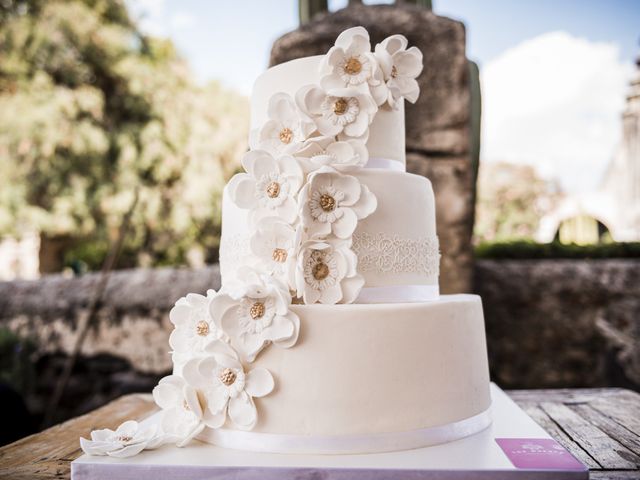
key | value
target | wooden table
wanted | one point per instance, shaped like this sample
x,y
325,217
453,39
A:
x,y
601,427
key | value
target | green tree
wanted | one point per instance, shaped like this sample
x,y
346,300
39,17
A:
x,y
90,109
511,201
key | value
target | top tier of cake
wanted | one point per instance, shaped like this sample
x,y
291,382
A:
x,y
386,132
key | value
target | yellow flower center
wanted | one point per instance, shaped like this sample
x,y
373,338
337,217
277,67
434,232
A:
x,y
273,189
227,376
320,271
257,310
202,328
394,72
353,66
327,202
286,135
279,255
340,107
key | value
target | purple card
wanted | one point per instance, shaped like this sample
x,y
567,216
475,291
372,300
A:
x,y
538,454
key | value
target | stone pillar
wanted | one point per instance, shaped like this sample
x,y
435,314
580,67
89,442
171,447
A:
x,y
438,132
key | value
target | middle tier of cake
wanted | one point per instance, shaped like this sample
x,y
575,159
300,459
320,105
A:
x,y
396,246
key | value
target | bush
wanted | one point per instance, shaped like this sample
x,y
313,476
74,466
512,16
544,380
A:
x,y
532,250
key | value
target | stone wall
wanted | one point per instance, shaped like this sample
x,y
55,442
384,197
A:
x,y
562,323
438,137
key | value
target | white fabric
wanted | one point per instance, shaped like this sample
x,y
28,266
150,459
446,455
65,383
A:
x,y
399,294
385,163
381,442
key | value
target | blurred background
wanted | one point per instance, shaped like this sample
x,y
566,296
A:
x,y
121,122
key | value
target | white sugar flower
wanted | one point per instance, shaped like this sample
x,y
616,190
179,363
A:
x,y
269,186
194,327
184,414
343,112
400,67
350,63
274,243
332,202
325,151
286,128
326,272
256,314
127,440
226,387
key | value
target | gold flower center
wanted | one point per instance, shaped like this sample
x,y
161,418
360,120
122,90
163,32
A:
x,y
353,66
227,376
273,189
257,310
394,72
340,107
327,202
202,328
320,271
125,438
279,255
286,135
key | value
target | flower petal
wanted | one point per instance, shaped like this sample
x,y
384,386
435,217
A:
x,y
259,163
242,411
214,420
344,226
351,288
242,190
331,295
366,204
259,382
280,329
127,451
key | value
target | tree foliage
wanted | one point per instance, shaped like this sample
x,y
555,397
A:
x,y
90,110
511,201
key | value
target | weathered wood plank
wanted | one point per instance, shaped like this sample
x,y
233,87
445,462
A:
x,y
614,475
542,419
624,408
565,395
608,452
48,454
608,425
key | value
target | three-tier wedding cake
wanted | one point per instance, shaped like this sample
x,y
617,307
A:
x,y
329,334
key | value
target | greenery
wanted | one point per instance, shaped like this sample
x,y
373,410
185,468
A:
x,y
532,250
511,201
90,110
16,361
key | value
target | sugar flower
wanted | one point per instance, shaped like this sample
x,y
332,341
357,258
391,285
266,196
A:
x,y
269,186
332,202
342,112
286,128
325,151
256,313
127,440
326,272
350,63
401,66
227,388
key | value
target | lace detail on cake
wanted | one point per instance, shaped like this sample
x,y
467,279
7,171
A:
x,y
384,253
379,253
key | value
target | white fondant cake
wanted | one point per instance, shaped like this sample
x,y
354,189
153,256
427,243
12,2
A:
x,y
329,334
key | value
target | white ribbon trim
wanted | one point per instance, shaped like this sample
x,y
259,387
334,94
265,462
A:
x,y
347,444
399,294
386,163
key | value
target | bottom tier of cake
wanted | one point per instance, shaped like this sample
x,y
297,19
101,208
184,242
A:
x,y
367,378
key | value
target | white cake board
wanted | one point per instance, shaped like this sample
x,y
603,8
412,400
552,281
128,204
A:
x,y
475,457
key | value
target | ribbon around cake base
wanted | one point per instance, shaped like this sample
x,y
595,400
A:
x,y
385,163
347,444
399,294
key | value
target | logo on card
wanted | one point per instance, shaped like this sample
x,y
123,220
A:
x,y
538,454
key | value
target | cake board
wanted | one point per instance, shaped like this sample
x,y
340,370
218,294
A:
x,y
514,446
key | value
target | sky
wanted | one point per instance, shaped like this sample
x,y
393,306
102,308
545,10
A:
x,y
554,73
